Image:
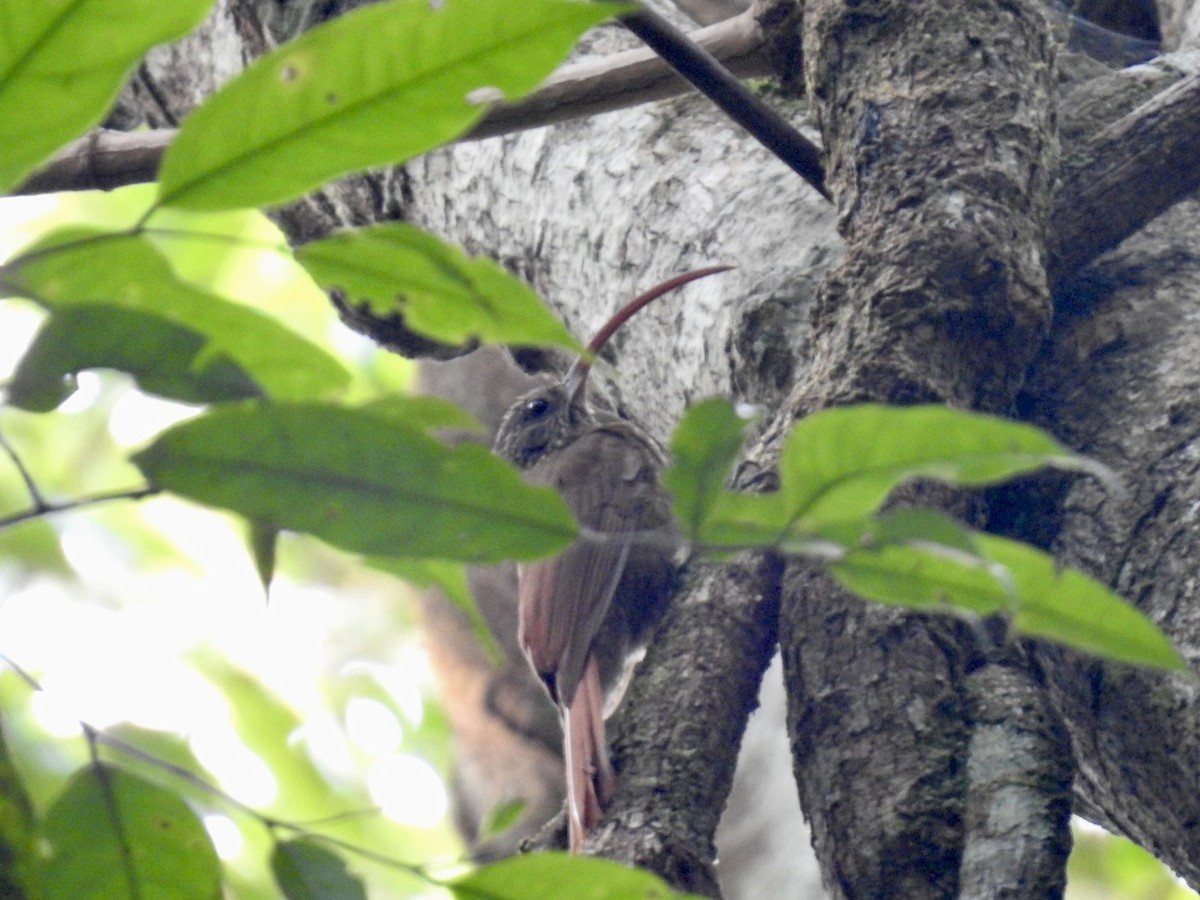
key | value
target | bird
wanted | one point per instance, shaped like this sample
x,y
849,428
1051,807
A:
x,y
585,613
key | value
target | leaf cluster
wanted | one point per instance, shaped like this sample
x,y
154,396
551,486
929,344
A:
x,y
836,471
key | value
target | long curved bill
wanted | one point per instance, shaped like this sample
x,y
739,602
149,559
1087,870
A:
x,y
576,377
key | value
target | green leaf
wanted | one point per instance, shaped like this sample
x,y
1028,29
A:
x,y
361,482
557,876
926,578
377,86
422,411
841,464
704,447
164,358
451,579
922,560
744,521
919,558
62,65
112,835
917,526
305,870
500,818
77,268
441,292
17,856
263,539
1068,606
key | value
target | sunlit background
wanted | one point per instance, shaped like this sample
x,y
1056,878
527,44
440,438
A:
x,y
148,619
311,705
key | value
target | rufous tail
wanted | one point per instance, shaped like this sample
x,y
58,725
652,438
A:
x,y
590,778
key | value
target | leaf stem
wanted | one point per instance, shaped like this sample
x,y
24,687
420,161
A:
x,y
40,252
234,239
43,508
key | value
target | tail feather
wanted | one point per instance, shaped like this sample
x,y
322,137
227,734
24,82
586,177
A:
x,y
590,778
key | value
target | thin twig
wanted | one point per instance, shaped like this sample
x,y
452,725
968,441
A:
x,y
26,476
736,100
45,509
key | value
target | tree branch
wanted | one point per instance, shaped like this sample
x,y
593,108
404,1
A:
x,y
1117,181
31,486
737,101
102,159
1136,168
626,79
1018,808
42,507
677,734
106,159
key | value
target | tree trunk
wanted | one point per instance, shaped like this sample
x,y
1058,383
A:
x,y
940,125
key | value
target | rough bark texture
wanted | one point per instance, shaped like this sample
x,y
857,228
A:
x,y
943,144
1094,212
1120,383
940,124
676,769
1019,771
939,121
1179,22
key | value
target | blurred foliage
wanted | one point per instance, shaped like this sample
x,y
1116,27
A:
x,y
300,742
1106,867
62,67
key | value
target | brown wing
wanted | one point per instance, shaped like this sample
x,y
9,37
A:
x,y
603,476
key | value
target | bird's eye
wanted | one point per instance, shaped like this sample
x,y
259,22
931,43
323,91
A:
x,y
536,408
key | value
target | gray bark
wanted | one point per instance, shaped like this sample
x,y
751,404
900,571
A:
x,y
939,120
1180,24
1018,791
1120,383
943,146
